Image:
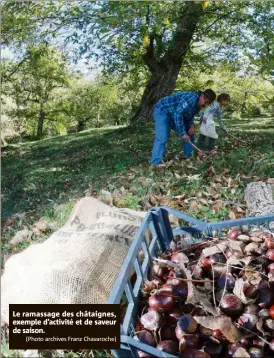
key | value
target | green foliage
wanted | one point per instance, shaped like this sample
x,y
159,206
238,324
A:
x,y
34,86
117,34
249,93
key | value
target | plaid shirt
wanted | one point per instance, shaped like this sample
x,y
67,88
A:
x,y
181,108
216,111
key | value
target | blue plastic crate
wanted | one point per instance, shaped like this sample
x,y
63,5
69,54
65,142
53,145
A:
x,y
157,221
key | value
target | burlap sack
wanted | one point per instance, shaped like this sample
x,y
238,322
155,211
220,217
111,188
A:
x,y
78,264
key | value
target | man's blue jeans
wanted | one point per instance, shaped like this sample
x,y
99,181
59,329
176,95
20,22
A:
x,y
163,126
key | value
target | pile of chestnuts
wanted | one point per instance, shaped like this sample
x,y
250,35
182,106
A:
x,y
235,274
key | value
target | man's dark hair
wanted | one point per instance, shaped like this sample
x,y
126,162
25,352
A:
x,y
211,95
223,97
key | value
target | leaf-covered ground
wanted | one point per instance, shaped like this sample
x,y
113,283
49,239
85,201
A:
x,y
41,180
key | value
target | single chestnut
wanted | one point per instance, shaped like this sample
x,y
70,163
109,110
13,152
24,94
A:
x,y
180,290
265,297
194,353
173,316
248,321
217,258
205,262
152,320
186,324
142,354
179,258
269,325
271,267
270,255
145,337
188,341
226,281
167,333
264,314
161,303
213,349
232,305
233,234
271,311
250,291
255,352
217,271
269,242
188,308
168,347
252,308
218,334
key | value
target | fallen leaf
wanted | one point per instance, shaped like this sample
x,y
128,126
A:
x,y
208,251
177,176
238,291
42,225
241,353
203,201
223,323
232,215
20,236
239,209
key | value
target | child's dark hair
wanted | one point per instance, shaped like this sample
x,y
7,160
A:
x,y
223,97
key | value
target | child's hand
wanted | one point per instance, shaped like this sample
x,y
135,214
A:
x,y
204,119
186,138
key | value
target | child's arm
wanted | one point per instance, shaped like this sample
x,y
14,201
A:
x,y
222,126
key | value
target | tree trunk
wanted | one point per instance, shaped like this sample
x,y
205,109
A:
x,y
81,125
164,71
160,84
42,116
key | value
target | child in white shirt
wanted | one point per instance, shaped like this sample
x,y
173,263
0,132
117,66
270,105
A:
x,y
207,125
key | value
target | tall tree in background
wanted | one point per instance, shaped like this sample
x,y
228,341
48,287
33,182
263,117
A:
x,y
35,81
163,36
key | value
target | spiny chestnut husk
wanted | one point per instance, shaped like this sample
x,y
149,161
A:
x,y
159,271
188,341
161,303
168,347
232,305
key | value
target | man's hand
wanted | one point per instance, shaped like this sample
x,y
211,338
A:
x,y
191,130
204,119
186,138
